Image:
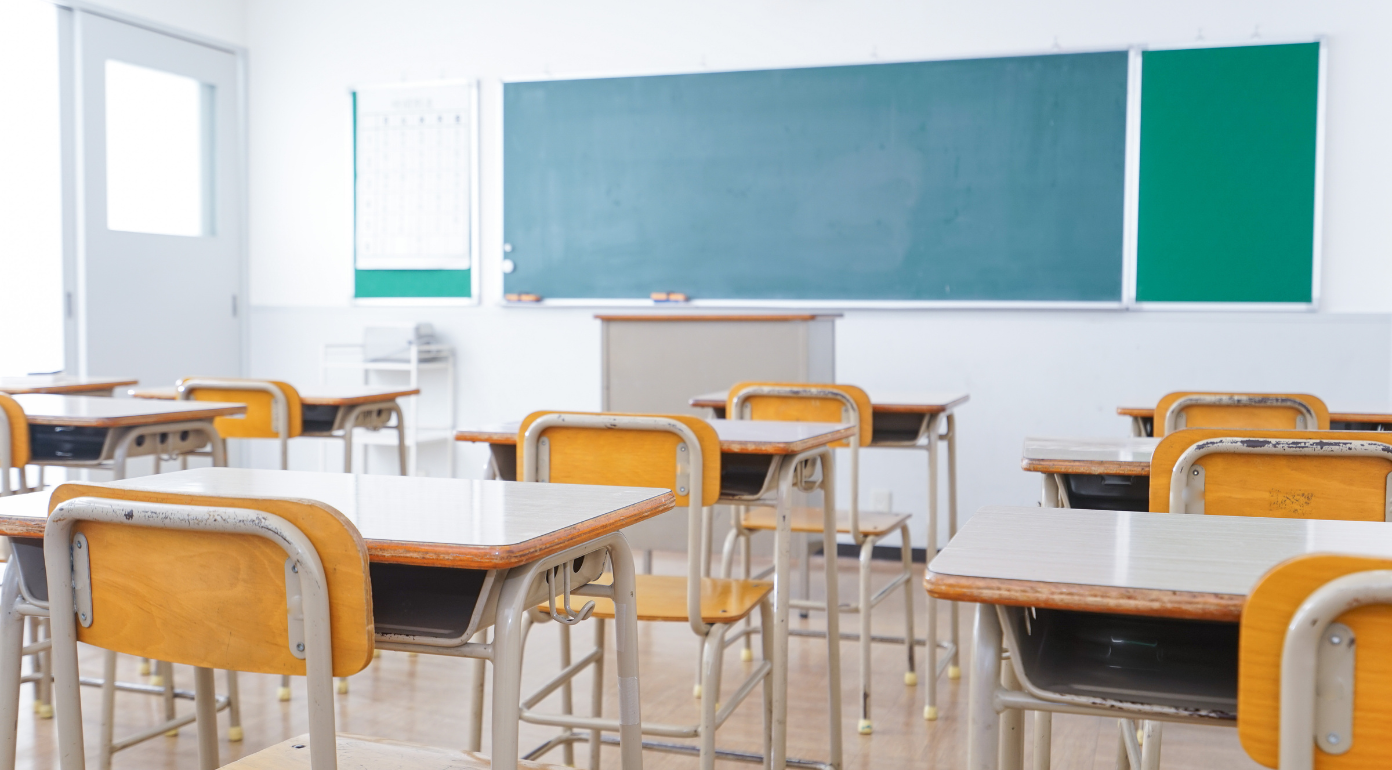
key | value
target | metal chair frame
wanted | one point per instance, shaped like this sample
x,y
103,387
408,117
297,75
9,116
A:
x,y
1306,421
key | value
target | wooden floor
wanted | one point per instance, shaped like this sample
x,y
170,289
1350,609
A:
x,y
421,699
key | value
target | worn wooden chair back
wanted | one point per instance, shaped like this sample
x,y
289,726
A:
x,y
213,599
623,457
801,402
260,396
14,441
1318,624
1275,474
1259,411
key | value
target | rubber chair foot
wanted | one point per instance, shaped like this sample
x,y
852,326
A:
x,y
413,654
376,654
144,669
954,672
865,727
44,710
696,691
282,693
172,733
910,679
234,734
343,687
156,681
746,655
930,713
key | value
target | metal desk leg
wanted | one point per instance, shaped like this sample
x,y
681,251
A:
x,y
954,669
930,546
833,602
11,662
473,733
1012,727
983,723
782,554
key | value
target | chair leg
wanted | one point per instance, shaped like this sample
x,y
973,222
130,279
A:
x,y
342,687
283,692
167,671
1150,747
234,708
804,545
867,549
906,553
1043,739
766,640
714,651
597,693
45,666
144,666
205,712
567,691
108,712
930,690
746,547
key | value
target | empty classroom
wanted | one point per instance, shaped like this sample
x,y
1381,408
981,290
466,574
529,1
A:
x,y
828,386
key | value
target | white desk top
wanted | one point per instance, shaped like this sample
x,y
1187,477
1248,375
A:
x,y
98,412
880,401
446,522
1122,456
736,436
318,396
61,383
1117,556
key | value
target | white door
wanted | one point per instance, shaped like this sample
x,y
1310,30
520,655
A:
x,y
159,208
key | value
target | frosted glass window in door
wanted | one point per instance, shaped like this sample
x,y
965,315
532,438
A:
x,y
158,150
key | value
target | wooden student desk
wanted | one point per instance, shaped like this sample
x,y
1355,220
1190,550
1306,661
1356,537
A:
x,y
1100,473
1165,570
63,384
449,557
334,412
757,462
1143,420
91,432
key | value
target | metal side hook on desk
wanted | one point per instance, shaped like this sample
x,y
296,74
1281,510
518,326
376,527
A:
x,y
569,617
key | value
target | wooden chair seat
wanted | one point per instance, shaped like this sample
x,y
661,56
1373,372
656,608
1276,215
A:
x,y
663,598
809,519
357,752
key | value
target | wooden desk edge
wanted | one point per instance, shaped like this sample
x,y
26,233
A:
x,y
83,421
80,388
1184,605
375,398
701,403
1087,467
1136,411
457,556
506,557
485,437
738,447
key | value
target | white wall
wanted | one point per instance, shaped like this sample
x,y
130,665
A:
x,y
221,20
1028,372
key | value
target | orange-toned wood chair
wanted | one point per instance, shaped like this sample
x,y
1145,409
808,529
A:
x,y
832,403
288,592
1276,474
1269,411
1315,665
273,408
14,444
674,452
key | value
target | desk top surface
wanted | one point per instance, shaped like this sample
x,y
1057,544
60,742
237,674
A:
x,y
727,317
1161,564
1358,415
880,401
61,383
320,396
411,519
99,412
1121,456
757,437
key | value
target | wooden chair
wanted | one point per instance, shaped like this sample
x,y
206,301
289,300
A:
x,y
273,408
1276,474
805,402
675,452
1315,665
14,444
287,592
1271,411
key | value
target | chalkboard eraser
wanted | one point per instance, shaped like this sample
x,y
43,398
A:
x,y
522,297
659,296
667,296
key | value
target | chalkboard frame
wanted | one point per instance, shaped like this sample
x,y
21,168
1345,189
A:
x,y
1317,247
1131,198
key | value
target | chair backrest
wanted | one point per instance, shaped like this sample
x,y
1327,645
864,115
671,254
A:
x,y
623,457
218,600
18,435
260,397
1258,411
1268,633
800,402
1273,473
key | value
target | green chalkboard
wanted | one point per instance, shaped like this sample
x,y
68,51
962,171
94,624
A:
x,y
980,179
1227,180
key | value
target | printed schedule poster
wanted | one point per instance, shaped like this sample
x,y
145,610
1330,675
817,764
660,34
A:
x,y
412,177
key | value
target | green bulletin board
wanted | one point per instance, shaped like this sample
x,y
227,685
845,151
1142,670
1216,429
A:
x,y
1227,208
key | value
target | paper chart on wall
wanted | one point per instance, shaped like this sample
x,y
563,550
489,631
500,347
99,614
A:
x,y
413,177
